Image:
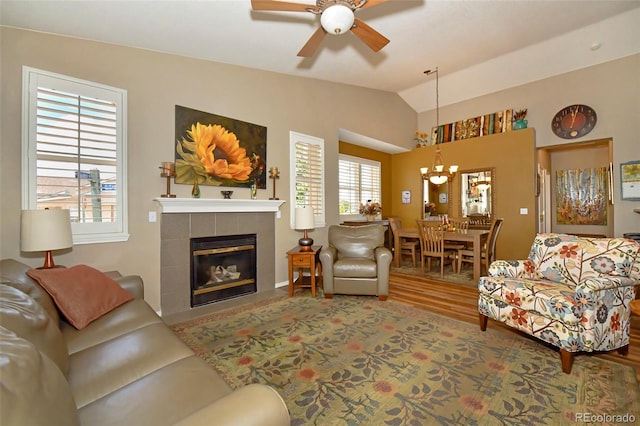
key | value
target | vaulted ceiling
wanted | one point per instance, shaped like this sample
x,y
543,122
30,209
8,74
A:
x,y
466,40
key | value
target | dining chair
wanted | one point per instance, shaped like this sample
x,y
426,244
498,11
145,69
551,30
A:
x,y
488,252
479,222
432,245
405,245
459,223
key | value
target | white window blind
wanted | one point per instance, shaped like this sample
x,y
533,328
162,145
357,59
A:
x,y
307,157
75,154
359,182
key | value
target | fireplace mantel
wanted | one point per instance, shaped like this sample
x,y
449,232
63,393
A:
x,y
220,205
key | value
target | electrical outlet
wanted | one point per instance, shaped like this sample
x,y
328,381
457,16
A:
x,y
153,217
524,210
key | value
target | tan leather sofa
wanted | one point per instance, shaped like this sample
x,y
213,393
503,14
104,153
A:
x,y
125,368
356,261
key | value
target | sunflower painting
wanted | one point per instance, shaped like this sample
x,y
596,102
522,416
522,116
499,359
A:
x,y
219,151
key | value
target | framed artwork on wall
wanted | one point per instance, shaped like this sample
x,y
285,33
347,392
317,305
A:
x,y
582,196
219,151
630,180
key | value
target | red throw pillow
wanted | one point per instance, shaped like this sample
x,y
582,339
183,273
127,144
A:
x,y
82,294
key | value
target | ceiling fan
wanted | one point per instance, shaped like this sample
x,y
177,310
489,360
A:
x,y
336,17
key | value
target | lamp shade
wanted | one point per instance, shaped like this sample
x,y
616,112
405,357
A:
x,y
337,19
43,230
304,218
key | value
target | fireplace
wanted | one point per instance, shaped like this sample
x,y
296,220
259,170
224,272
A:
x,y
222,267
185,218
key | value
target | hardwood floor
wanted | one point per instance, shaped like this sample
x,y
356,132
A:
x,y
461,302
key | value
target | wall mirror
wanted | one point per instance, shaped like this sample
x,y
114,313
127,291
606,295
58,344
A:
x,y
478,195
440,195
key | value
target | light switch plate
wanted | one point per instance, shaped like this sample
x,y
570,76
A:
x,y
153,217
524,210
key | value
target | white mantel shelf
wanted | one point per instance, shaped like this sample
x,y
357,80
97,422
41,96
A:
x,y
220,205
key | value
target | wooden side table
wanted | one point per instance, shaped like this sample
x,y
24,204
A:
x,y
305,260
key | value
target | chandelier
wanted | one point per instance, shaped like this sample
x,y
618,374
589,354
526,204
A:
x,y
438,175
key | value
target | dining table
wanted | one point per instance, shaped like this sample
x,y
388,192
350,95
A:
x,y
477,237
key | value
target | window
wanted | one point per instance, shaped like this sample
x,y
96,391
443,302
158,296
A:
x,y
307,183
359,182
73,149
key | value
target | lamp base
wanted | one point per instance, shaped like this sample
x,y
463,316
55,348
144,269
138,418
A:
x,y
48,261
305,244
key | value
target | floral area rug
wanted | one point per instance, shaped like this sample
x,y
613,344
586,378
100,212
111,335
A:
x,y
358,361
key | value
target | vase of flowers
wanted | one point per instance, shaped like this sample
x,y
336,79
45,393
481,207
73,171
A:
x,y
422,139
370,210
429,208
520,122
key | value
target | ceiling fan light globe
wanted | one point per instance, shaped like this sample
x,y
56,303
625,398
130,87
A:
x,y
337,19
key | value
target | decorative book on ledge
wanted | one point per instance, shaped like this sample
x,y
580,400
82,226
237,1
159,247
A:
x,y
212,205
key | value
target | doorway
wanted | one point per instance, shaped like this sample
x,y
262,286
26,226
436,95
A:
x,y
590,163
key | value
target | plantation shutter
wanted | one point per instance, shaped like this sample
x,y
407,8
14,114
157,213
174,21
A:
x,y
74,153
359,182
308,168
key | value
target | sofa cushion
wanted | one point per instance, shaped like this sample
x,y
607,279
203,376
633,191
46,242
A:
x,y
122,320
82,293
355,268
14,273
569,259
356,241
28,320
104,368
34,391
551,299
165,396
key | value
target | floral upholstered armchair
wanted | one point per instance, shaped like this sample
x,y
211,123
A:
x,y
571,292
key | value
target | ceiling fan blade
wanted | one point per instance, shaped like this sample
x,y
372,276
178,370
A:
x,y
371,3
368,35
312,44
281,6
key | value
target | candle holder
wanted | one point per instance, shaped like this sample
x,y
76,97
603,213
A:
x,y
274,174
168,170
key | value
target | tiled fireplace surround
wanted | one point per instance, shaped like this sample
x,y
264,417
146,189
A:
x,y
186,218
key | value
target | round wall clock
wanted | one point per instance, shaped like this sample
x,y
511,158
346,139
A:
x,y
574,121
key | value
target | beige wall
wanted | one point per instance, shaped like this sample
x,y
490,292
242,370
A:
x,y
512,156
612,89
156,83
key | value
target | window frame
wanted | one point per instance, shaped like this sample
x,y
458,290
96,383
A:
x,y
359,161
295,138
32,78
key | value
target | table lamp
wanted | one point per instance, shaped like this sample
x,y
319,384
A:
x,y
304,221
45,230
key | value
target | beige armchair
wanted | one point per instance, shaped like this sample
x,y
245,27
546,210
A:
x,y
356,261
